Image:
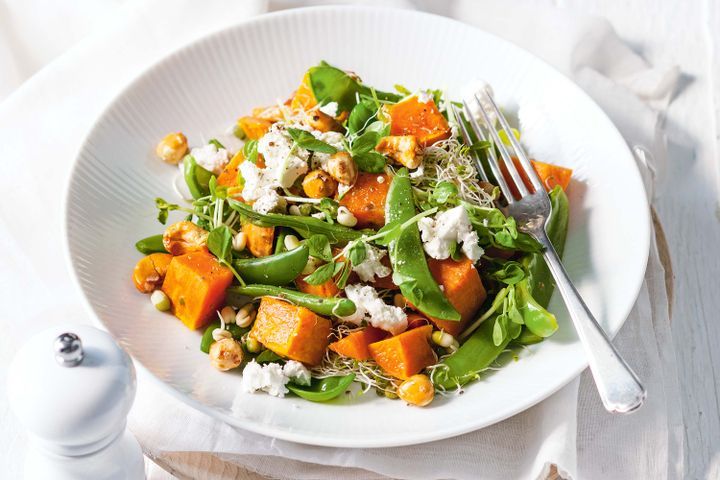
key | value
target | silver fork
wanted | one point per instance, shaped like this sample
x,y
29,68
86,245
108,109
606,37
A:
x,y
618,386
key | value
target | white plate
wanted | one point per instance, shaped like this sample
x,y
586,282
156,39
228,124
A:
x,y
202,88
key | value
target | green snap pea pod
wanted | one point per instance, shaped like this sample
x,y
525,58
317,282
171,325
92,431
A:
x,y
341,307
196,177
305,226
151,244
279,269
207,338
322,389
479,351
410,269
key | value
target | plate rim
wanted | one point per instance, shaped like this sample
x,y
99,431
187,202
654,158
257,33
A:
x,y
397,440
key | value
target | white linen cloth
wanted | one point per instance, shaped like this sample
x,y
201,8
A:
x,y
44,121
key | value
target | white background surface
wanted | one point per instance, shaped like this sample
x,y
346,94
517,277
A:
x,y
665,32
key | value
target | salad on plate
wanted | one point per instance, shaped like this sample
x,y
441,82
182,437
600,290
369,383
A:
x,y
344,236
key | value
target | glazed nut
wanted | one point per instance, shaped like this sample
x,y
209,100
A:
x,y
417,390
184,237
225,354
172,148
403,149
342,168
149,272
319,184
323,122
346,218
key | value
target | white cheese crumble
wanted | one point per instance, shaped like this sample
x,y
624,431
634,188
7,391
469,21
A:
x,y
330,108
268,202
424,96
268,378
381,179
343,189
210,158
370,307
372,265
285,162
273,377
335,139
259,187
448,227
297,372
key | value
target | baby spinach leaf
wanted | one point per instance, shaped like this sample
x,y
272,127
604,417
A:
x,y
308,141
321,275
319,246
219,243
268,356
360,116
371,162
443,192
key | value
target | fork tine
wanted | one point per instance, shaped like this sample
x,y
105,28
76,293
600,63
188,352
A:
x,y
492,159
504,152
468,140
519,150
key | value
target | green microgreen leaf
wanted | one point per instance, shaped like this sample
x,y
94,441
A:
x,y
319,246
321,275
307,141
250,150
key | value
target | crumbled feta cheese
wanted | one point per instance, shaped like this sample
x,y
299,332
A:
x,y
268,378
258,181
335,139
380,179
439,234
424,96
297,372
285,162
330,108
268,202
372,265
371,308
210,158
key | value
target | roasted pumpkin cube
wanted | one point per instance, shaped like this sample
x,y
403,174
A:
x,y
304,98
405,354
423,120
195,283
327,289
259,239
366,199
291,331
229,176
356,344
254,127
552,175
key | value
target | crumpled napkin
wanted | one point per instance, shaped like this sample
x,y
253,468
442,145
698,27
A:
x,y
569,432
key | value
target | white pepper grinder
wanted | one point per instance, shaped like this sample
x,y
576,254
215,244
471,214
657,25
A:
x,y
72,388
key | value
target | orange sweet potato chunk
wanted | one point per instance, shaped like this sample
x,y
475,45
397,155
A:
x,y
462,287
254,127
552,175
327,289
366,199
356,344
229,176
406,354
259,239
424,120
291,331
195,283
304,98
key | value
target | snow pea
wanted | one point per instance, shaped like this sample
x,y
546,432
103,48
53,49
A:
x,y
196,177
479,351
341,307
322,389
410,269
151,244
305,226
207,338
279,269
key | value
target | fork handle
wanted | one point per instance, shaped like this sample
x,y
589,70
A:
x,y
618,386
